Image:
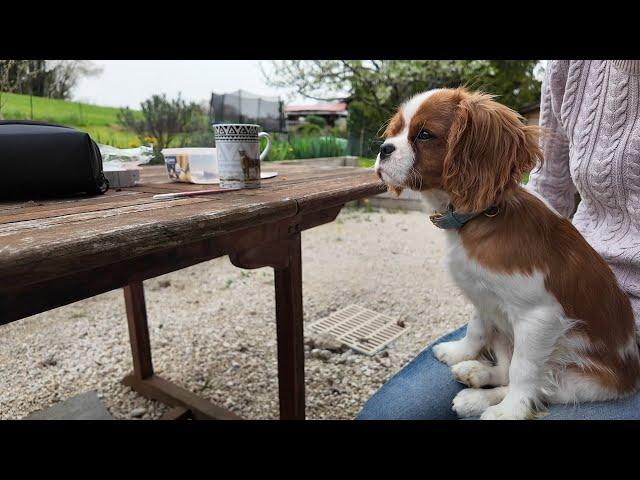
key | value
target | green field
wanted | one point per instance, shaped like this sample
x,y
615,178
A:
x,y
99,122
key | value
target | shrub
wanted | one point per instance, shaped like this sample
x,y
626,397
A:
x,y
337,132
162,120
203,138
306,130
316,120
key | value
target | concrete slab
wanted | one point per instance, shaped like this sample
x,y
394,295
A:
x,y
86,406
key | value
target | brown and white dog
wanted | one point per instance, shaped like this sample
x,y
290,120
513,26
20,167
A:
x,y
548,308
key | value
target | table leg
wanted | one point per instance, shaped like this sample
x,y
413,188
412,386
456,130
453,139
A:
x,y
138,330
288,286
284,257
145,382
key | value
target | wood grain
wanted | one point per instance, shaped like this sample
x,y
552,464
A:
x,y
53,238
54,252
164,391
138,330
24,300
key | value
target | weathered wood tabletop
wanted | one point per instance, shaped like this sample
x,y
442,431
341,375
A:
x,y
54,252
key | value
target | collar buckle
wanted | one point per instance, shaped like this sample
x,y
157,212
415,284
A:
x,y
436,217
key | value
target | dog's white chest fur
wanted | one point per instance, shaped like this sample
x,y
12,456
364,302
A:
x,y
503,294
515,317
506,293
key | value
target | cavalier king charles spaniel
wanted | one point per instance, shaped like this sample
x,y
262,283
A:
x,y
550,323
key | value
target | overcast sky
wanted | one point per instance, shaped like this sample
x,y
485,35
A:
x,y
129,82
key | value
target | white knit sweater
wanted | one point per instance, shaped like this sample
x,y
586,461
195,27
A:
x,y
592,110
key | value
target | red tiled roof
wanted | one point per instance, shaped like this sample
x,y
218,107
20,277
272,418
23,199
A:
x,y
319,107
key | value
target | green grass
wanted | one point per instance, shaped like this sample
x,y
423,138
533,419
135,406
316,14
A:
x,y
99,122
316,147
306,147
366,162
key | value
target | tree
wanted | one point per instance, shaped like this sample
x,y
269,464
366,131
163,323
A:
x,y
162,121
5,69
375,88
66,74
45,78
24,76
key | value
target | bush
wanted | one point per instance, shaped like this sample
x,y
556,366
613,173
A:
x,y
199,139
201,135
162,121
337,132
316,120
306,130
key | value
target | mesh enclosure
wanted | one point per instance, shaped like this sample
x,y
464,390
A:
x,y
244,107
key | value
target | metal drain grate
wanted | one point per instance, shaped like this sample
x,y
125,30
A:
x,y
362,329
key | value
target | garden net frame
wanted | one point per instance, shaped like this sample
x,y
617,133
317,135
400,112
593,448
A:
x,y
245,107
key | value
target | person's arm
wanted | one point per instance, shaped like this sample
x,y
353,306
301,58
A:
x,y
553,180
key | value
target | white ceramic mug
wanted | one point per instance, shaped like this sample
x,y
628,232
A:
x,y
239,157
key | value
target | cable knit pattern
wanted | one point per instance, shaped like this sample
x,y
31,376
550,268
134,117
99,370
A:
x,y
591,112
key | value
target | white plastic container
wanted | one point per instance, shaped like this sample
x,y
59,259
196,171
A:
x,y
194,165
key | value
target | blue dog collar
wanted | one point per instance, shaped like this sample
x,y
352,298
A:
x,y
450,219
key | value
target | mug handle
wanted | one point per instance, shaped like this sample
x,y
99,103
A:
x,y
266,149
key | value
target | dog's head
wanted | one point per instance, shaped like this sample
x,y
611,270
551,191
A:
x,y
465,144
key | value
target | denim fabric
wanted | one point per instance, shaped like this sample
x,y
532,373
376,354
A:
x,y
424,390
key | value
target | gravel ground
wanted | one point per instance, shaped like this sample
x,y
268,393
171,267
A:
x,y
213,329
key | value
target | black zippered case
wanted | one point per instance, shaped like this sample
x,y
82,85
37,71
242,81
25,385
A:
x,y
39,160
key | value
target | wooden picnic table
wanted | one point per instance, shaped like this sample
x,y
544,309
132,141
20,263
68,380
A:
x,y
55,252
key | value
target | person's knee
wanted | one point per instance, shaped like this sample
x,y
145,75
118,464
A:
x,y
369,414
380,406
392,404
422,390
375,409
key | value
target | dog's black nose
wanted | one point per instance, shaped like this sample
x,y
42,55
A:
x,y
386,149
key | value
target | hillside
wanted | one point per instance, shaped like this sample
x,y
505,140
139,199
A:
x,y
99,122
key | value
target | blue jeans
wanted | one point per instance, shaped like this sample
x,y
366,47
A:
x,y
424,390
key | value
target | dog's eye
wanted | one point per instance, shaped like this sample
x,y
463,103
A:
x,y
424,135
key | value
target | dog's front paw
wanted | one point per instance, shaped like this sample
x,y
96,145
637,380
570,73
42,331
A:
x,y
507,410
470,402
472,373
453,352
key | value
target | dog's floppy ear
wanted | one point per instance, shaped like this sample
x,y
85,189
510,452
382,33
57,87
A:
x,y
489,149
